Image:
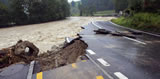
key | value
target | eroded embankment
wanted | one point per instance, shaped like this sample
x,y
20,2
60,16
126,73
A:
x,y
67,55
70,53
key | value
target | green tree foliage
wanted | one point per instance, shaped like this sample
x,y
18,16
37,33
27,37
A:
x,y
88,7
151,5
120,5
37,12
74,8
3,14
137,5
17,12
34,11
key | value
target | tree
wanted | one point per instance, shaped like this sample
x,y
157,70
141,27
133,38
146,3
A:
x,y
4,15
88,7
120,5
37,11
33,11
17,12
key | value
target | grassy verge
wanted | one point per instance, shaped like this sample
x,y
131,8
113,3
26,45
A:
x,y
104,13
149,22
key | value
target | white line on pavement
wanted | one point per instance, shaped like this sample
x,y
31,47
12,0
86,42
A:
x,y
120,75
135,40
30,71
96,25
104,71
90,52
103,62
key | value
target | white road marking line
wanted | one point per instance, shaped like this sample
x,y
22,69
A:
x,y
90,52
104,71
103,62
135,40
120,75
96,25
30,71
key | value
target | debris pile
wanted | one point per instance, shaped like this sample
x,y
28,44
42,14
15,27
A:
x,y
67,55
102,31
130,34
23,51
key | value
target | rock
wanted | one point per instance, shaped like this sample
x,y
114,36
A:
x,y
102,31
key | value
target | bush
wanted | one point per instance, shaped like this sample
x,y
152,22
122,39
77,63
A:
x,y
143,21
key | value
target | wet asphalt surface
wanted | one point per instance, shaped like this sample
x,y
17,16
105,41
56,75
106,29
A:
x,y
15,71
133,59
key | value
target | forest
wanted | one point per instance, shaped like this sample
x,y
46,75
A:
x,y
89,7
139,14
18,12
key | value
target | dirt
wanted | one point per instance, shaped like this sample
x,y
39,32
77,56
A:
x,y
17,53
66,55
70,53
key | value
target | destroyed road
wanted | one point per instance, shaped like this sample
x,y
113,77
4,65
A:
x,y
114,53
121,56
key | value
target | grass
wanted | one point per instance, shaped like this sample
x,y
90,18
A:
x,y
149,22
104,13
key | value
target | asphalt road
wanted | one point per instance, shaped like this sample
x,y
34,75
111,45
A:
x,y
15,71
120,56
113,57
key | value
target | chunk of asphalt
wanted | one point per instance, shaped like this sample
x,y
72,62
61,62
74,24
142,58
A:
x,y
135,32
116,34
126,34
102,31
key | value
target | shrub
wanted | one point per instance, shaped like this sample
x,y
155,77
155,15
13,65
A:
x,y
143,21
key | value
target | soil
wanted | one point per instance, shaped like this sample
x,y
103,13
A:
x,y
17,53
66,55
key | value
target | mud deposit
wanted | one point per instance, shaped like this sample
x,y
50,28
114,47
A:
x,y
67,55
17,53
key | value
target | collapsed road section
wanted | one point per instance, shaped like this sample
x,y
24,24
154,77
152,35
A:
x,y
123,53
22,51
111,56
25,51
71,53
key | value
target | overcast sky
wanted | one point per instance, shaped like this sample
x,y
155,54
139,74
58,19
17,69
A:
x,y
72,0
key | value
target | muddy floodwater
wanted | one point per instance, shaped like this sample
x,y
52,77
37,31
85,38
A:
x,y
46,35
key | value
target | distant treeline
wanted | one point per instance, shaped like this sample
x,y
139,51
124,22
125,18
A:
x,y
88,7
138,5
32,11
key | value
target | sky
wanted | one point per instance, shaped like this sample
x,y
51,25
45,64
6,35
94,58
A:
x,y
72,0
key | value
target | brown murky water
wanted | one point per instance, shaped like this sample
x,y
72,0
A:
x,y
45,35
